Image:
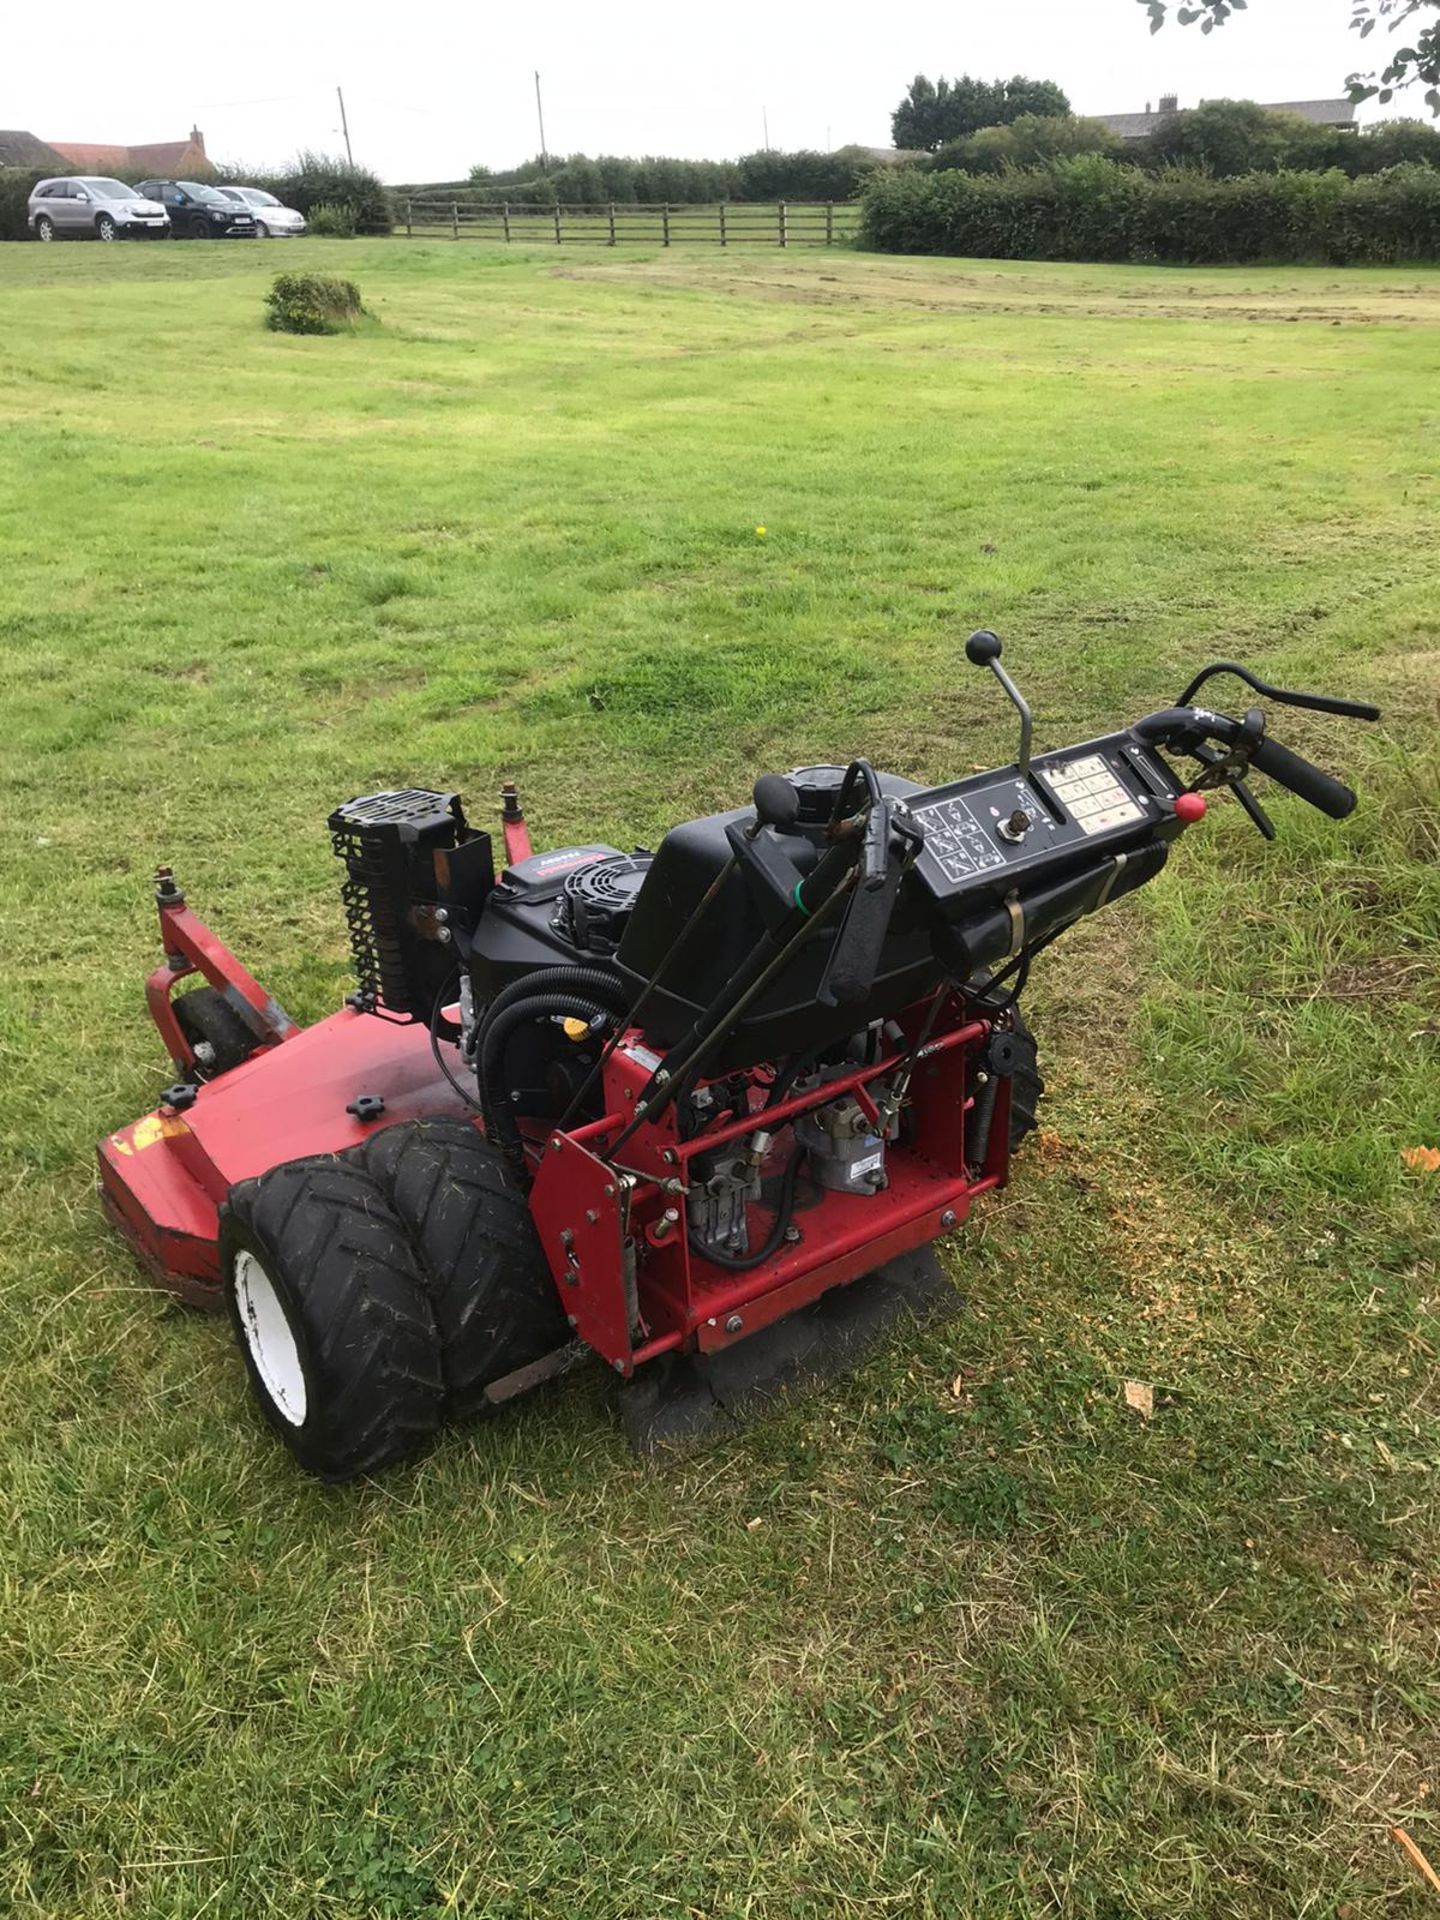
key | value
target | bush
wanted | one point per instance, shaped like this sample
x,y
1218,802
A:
x,y
312,303
1090,208
314,180
333,222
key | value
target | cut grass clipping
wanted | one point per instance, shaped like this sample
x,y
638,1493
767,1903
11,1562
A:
x,y
313,303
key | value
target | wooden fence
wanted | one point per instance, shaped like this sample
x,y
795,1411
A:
x,y
783,223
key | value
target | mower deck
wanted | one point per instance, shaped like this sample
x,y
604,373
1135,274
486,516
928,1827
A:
x,y
162,1179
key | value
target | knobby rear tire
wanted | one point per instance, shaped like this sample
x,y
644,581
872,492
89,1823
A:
x,y
336,1267
466,1216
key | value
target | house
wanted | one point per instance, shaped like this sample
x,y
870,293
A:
x,y
1320,113
24,150
165,159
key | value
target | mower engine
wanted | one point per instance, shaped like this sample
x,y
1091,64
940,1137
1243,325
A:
x,y
648,1105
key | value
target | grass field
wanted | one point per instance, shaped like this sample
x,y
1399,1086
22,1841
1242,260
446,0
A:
x,y
962,1636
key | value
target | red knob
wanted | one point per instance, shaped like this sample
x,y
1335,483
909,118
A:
x,y
1189,807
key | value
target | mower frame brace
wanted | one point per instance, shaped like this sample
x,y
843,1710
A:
x,y
191,948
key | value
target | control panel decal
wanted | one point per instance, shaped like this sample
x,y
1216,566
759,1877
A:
x,y
1092,794
958,842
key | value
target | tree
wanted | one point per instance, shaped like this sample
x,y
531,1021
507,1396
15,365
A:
x,y
1231,137
1419,60
934,112
1031,141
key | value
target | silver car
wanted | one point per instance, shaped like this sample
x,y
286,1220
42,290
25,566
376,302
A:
x,y
271,217
98,209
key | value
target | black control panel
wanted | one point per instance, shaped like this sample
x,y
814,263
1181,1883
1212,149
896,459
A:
x,y
1102,797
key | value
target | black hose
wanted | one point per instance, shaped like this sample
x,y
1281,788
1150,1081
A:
x,y
500,1123
440,998
743,1262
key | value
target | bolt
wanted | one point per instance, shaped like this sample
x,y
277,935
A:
x,y
710,1323
792,1234
592,1216
556,1144
619,1366
609,1191
947,1219
734,1323
669,1156
570,1320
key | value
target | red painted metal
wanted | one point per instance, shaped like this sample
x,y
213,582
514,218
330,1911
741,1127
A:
x,y
614,1234
191,948
163,1177
513,828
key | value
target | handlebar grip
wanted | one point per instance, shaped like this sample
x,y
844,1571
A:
x,y
1310,782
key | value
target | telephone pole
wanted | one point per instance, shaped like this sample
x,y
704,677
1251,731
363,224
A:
x,y
345,127
765,123
540,116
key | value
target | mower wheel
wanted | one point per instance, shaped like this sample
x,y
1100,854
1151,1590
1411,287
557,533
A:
x,y
1027,1089
219,1036
468,1220
332,1317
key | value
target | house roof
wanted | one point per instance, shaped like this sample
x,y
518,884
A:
x,y
165,156
88,153
1320,113
19,149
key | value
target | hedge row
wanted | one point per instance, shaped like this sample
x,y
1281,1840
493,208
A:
x,y
581,180
1093,209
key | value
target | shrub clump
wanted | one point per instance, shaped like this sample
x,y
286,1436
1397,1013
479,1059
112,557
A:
x,y
333,220
1090,208
312,303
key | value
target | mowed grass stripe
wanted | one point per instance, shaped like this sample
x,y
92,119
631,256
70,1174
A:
x,y
995,1646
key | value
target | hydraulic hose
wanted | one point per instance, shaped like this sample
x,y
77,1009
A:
x,y
743,1262
557,991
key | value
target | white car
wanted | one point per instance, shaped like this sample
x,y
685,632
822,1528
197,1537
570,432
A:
x,y
271,219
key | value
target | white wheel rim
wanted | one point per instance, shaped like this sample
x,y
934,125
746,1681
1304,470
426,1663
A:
x,y
265,1329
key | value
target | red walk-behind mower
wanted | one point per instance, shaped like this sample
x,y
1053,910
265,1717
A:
x,y
668,1107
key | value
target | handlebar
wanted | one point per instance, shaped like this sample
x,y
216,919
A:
x,y
1186,728
1304,778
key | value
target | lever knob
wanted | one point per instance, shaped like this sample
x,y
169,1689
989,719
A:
x,y
982,647
777,804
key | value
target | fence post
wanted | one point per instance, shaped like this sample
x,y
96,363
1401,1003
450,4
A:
x,y
829,223
557,223
784,232
612,223
505,216
723,241
455,219
665,222
408,234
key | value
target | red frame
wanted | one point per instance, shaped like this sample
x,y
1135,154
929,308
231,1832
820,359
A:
x,y
585,1217
613,1232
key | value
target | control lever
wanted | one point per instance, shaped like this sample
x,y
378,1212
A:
x,y
1212,758
982,649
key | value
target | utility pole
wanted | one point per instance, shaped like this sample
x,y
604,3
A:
x,y
345,127
765,123
540,116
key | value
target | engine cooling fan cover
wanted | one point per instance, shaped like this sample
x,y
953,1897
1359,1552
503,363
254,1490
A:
x,y
597,900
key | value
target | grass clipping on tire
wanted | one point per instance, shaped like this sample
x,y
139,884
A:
x,y
313,303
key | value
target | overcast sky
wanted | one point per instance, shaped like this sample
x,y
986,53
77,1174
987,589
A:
x,y
432,90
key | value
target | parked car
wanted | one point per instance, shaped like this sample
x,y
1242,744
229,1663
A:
x,y
272,218
86,209
200,213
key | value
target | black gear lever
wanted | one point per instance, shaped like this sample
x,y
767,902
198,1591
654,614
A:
x,y
982,649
